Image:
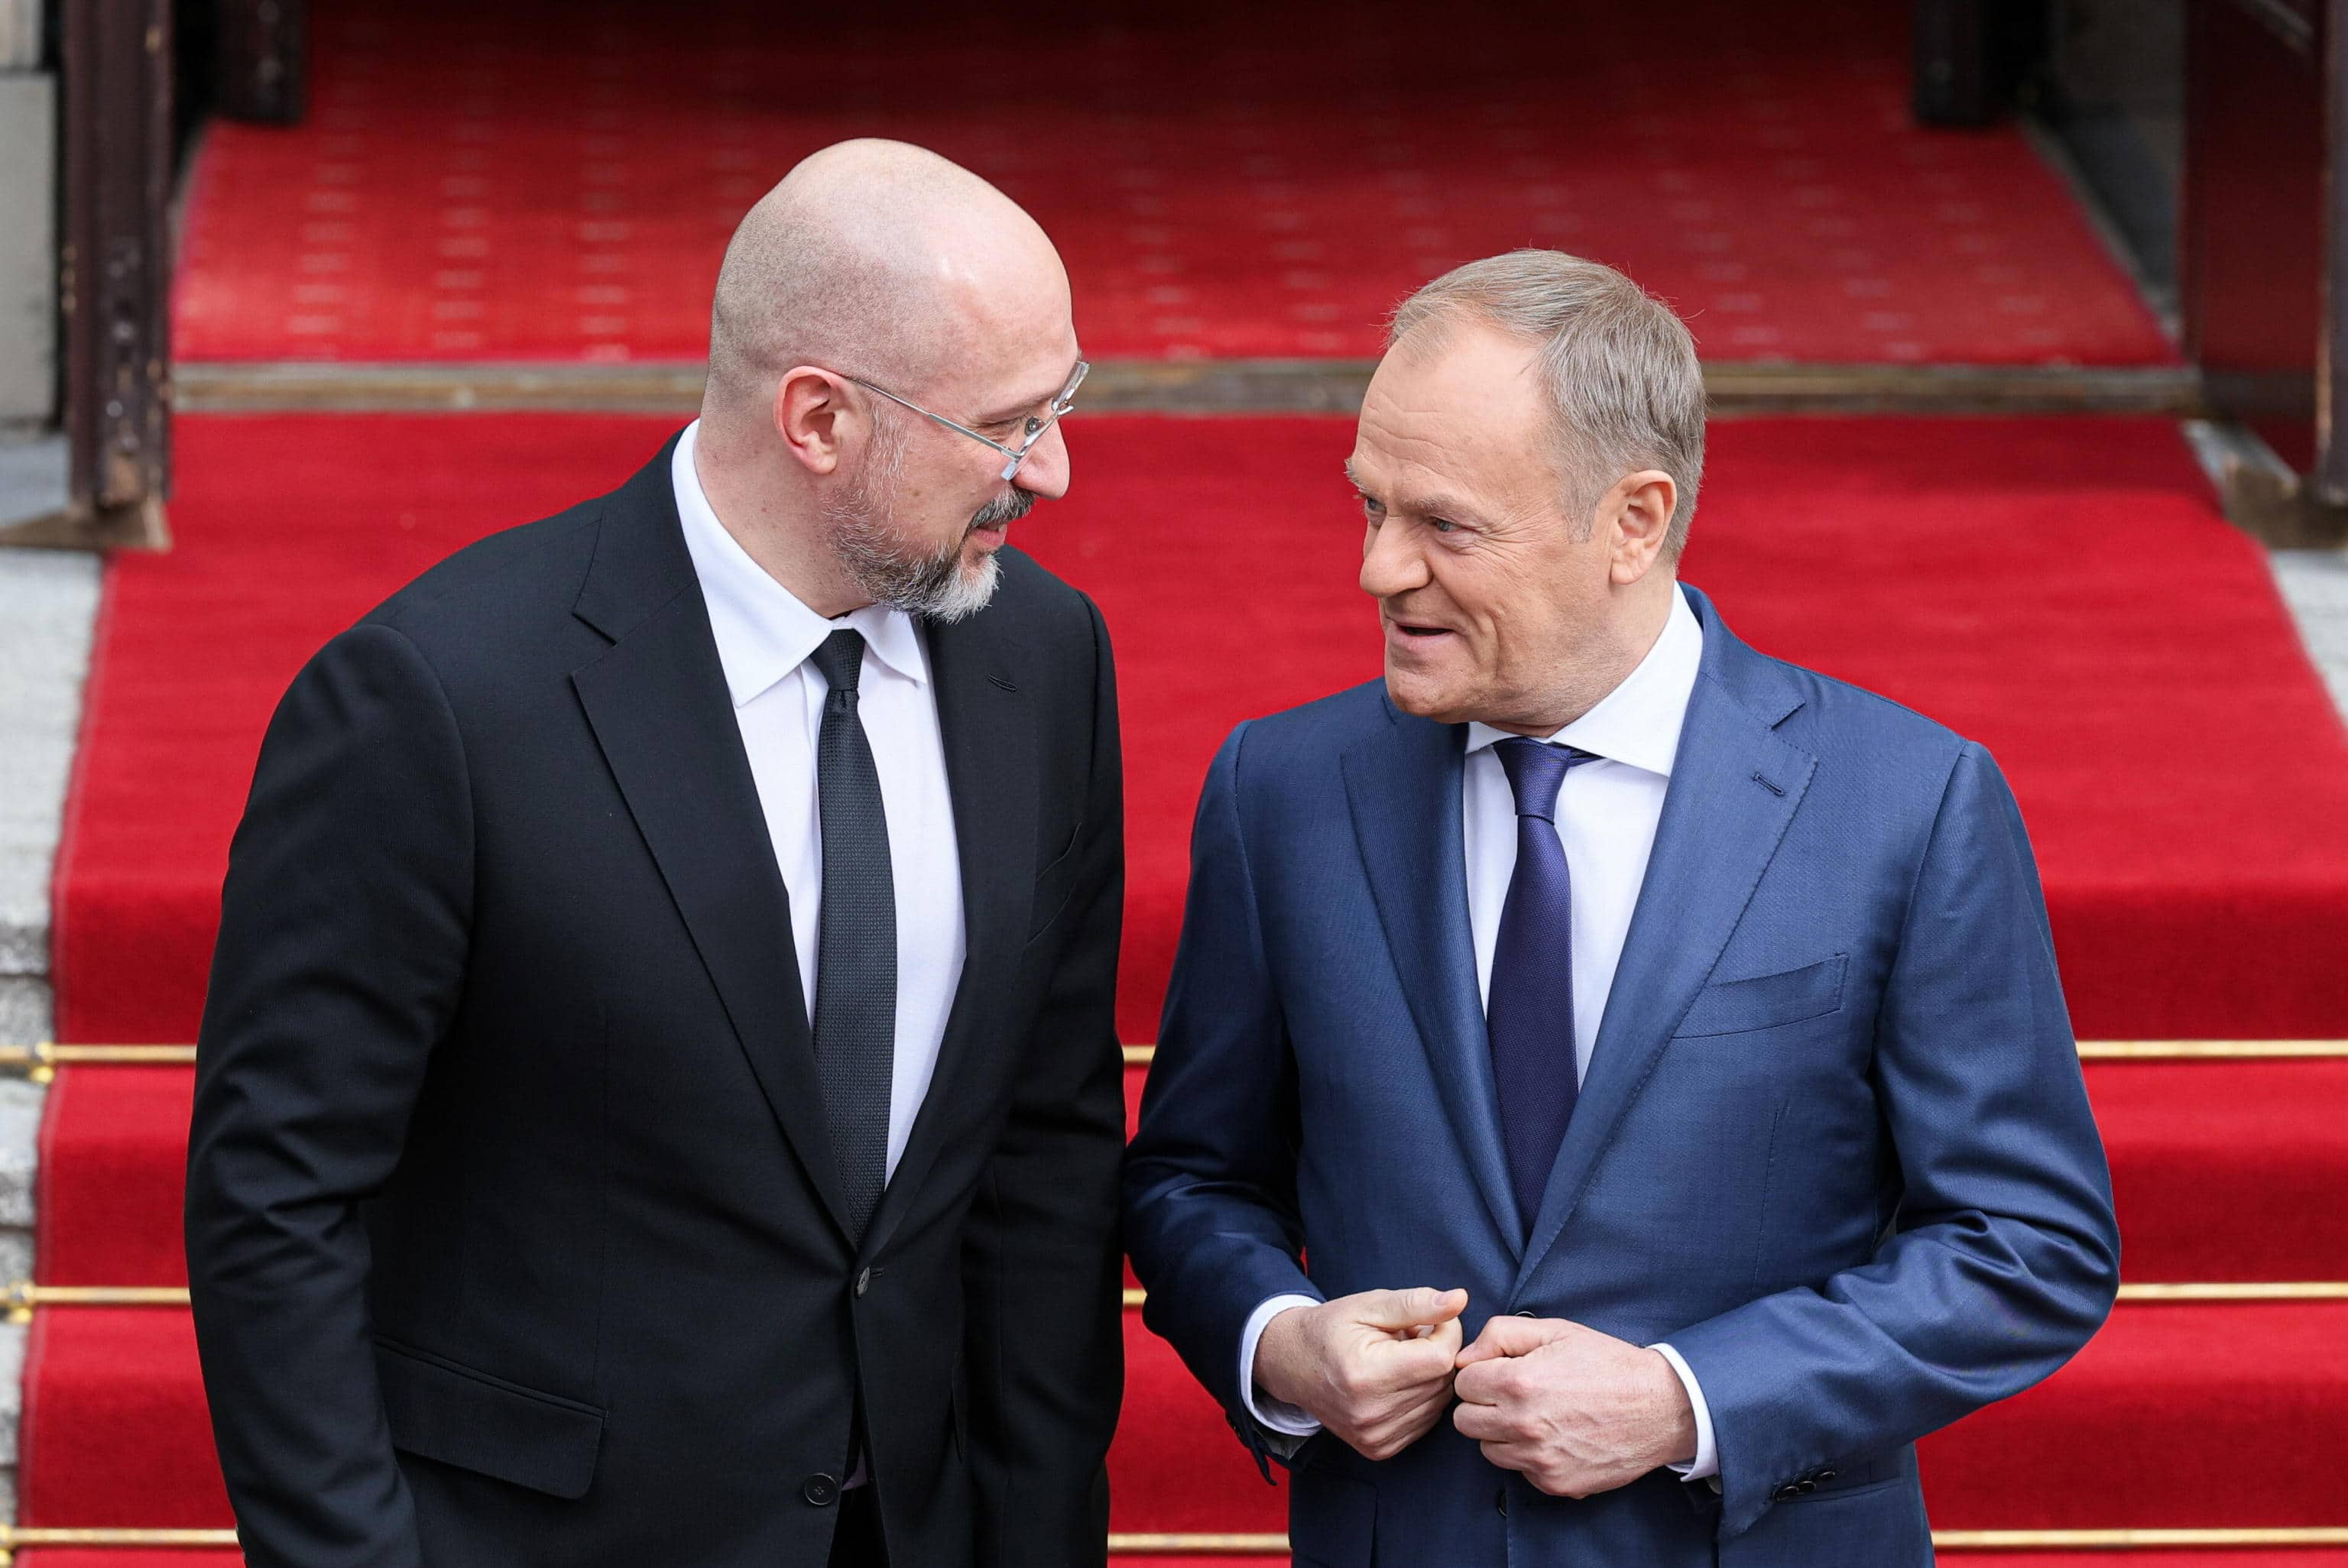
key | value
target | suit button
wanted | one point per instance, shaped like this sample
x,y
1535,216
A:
x,y
1823,1477
1786,1493
863,1281
1523,1314
1806,1487
820,1491
1500,1501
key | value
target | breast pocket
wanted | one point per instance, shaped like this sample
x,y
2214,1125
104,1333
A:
x,y
1767,1002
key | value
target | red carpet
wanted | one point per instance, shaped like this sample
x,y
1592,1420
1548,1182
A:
x,y
2190,814
113,1174
524,181
2192,823
2223,1171
2097,1444
2315,1557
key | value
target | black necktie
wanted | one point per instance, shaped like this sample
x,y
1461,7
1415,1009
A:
x,y
856,943
1529,1011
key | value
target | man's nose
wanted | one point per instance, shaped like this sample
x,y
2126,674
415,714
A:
x,y
1391,563
1044,474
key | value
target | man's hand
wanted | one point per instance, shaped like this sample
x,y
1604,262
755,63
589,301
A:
x,y
1375,1369
1576,1412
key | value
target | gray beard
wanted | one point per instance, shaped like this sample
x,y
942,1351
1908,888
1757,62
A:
x,y
936,586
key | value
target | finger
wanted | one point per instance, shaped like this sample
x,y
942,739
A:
x,y
1448,1333
1484,1423
1409,1363
1481,1384
1406,1426
1399,1311
1518,1457
1396,1404
1508,1336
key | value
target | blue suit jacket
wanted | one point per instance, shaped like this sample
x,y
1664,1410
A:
x,y
1833,1143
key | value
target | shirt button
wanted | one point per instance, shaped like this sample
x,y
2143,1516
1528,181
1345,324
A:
x,y
820,1491
863,1281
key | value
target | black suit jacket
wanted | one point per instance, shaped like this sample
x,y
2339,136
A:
x,y
513,1229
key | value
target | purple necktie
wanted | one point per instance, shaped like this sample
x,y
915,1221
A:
x,y
1528,1012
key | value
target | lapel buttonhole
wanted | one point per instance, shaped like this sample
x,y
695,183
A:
x,y
1004,683
1772,787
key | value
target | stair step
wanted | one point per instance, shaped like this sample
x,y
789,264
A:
x,y
2147,1429
2248,1557
114,1167
114,1394
2221,1170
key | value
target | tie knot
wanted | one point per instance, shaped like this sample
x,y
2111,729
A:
x,y
840,657
1536,771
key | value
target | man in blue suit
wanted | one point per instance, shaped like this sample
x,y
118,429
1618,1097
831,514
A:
x,y
1677,1028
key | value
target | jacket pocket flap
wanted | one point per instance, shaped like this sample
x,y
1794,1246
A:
x,y
1765,1002
485,1424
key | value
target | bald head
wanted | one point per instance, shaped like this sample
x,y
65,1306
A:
x,y
880,259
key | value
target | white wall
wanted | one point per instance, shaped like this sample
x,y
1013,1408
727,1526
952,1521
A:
x,y
20,35
28,173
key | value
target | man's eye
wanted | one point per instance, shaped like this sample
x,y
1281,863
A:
x,y
1033,426
1371,507
1443,524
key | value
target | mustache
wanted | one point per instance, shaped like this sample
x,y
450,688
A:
x,y
1005,509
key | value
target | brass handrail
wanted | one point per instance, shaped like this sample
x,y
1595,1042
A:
x,y
2101,1051
2207,1050
19,1538
14,1538
1942,1540
2108,1539
19,1300
2240,1290
41,1061
2215,1290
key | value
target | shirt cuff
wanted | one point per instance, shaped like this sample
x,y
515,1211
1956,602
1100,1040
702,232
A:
x,y
1706,1463
1269,1413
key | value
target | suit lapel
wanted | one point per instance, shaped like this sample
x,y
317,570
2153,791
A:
x,y
1734,787
1403,787
988,728
657,703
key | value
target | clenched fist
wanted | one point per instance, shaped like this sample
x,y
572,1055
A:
x,y
1576,1412
1375,1369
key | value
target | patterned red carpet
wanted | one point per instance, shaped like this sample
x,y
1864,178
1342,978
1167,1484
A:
x,y
557,181
2191,815
2192,823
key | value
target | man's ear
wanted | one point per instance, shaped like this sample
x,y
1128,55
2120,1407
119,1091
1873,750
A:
x,y
812,415
1636,518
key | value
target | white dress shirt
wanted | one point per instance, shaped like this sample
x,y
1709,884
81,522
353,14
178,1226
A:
x,y
1606,817
765,635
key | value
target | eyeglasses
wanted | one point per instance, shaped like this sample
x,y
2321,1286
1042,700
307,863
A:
x,y
1036,423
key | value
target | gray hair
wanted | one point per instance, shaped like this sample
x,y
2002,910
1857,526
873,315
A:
x,y
1620,369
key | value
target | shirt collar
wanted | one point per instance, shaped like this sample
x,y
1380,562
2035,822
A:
x,y
764,630
1638,722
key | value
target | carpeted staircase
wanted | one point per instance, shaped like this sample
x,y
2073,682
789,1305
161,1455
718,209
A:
x,y
515,183
2184,883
